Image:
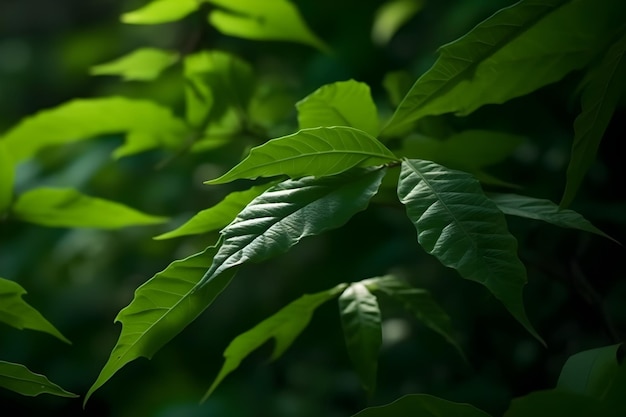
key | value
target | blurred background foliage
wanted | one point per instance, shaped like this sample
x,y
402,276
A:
x,y
79,279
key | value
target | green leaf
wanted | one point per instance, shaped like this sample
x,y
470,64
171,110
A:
x,y
555,403
148,124
514,52
360,320
143,64
161,11
604,86
7,174
464,230
284,327
217,216
397,84
161,309
422,405
391,16
290,211
66,207
317,152
15,312
275,20
344,103
545,210
419,302
20,379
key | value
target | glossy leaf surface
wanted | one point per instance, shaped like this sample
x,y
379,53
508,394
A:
x,y
143,64
20,379
464,230
322,151
161,11
422,405
66,207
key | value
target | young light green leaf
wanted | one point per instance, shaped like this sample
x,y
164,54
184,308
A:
x,y
318,152
557,403
15,312
284,327
149,125
514,52
344,103
391,16
361,323
143,64
290,211
20,379
545,210
604,86
275,20
464,230
422,405
7,174
161,11
66,207
217,216
161,309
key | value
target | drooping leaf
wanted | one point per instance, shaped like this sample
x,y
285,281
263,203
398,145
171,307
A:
x,y
7,174
15,312
545,210
514,52
290,211
20,379
274,20
143,64
361,323
422,405
604,86
391,16
162,308
148,124
284,327
344,103
161,11
217,216
556,403
66,207
419,302
464,230
317,152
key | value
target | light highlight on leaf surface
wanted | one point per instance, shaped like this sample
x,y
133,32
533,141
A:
x,y
161,11
143,64
391,16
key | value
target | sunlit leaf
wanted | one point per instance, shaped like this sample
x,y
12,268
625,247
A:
x,y
66,207
15,312
217,216
275,20
20,379
604,86
391,16
464,230
161,11
162,308
284,327
290,211
148,124
361,323
517,50
422,405
545,210
321,151
143,64
344,103
556,403
7,173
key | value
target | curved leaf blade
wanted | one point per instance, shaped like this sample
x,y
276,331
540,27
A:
x,y
556,403
143,64
545,210
161,11
15,312
464,230
20,379
603,89
66,207
290,211
162,308
424,406
7,177
318,152
361,323
344,103
391,16
284,327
